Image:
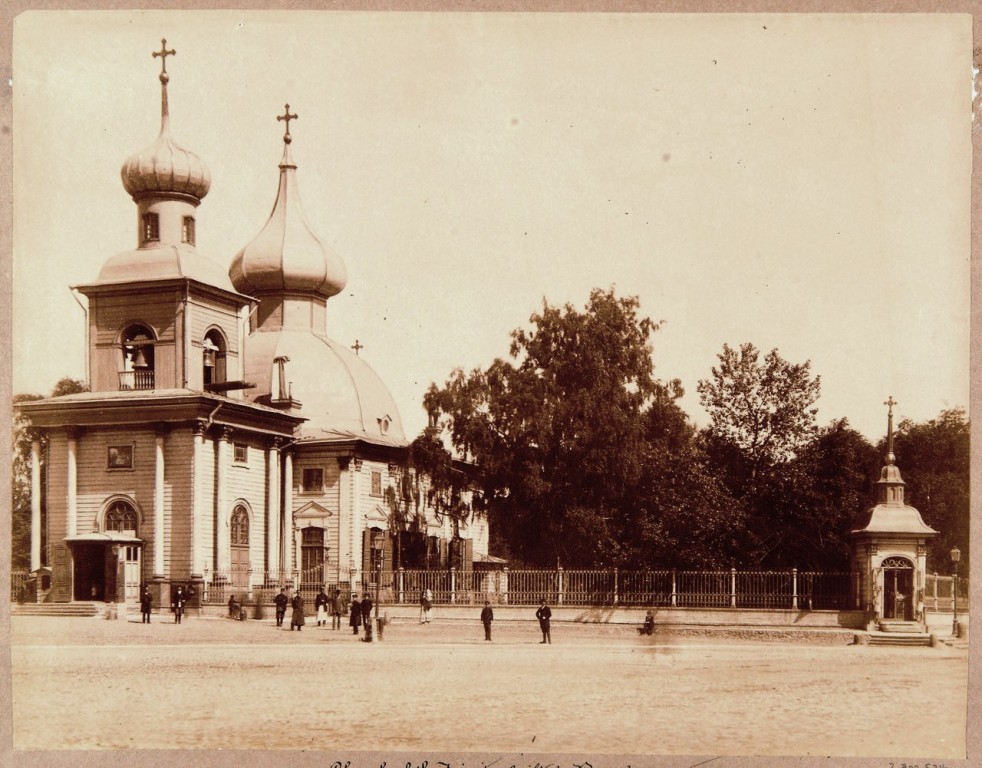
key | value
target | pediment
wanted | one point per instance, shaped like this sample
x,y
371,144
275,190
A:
x,y
377,515
312,511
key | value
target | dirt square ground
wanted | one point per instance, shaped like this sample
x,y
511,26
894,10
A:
x,y
216,684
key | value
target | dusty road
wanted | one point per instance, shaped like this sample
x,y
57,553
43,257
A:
x,y
213,683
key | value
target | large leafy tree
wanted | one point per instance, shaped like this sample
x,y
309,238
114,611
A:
x,y
23,436
934,461
761,411
558,430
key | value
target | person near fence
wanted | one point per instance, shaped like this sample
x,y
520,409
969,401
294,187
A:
x,y
649,624
487,616
425,606
366,614
146,604
320,603
280,601
543,615
354,618
177,605
234,608
337,608
297,618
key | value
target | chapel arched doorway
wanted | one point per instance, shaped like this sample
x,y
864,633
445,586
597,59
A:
x,y
239,561
898,588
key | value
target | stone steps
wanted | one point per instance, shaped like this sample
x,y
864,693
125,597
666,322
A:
x,y
56,609
896,638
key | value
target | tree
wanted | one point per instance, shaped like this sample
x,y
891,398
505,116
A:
x,y
558,431
934,461
763,410
23,435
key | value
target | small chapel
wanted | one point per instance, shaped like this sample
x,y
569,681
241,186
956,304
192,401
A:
x,y
226,439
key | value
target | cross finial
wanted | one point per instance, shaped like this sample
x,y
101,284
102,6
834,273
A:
x,y
890,402
287,117
357,346
163,53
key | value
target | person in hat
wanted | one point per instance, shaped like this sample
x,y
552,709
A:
x,y
337,608
280,601
297,619
649,624
320,604
543,615
354,618
177,605
487,616
366,614
146,604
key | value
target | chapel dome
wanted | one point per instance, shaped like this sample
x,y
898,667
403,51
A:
x,y
165,168
340,395
286,255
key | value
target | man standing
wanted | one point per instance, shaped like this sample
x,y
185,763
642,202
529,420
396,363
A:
x,y
146,603
487,616
297,619
281,602
178,605
366,614
543,615
354,619
320,605
337,608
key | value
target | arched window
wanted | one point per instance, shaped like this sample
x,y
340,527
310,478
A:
x,y
213,358
137,358
121,517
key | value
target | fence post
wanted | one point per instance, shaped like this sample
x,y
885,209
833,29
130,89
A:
x,y
675,593
453,584
732,587
615,586
561,596
504,592
935,590
402,585
794,588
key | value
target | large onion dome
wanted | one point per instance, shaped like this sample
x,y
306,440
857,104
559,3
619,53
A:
x,y
286,256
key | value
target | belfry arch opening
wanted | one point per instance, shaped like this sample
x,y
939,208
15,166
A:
x,y
898,588
136,369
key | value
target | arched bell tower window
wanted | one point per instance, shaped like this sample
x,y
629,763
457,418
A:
x,y
187,230
213,359
121,517
137,358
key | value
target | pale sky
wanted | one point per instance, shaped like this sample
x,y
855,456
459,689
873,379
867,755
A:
x,y
799,182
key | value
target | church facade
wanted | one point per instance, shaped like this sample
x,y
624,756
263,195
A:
x,y
226,438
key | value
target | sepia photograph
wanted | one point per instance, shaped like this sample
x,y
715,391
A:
x,y
518,389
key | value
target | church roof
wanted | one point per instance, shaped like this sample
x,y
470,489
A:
x,y
286,255
340,395
164,262
891,519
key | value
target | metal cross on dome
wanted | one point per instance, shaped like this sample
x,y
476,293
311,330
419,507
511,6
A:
x,y
357,346
163,53
287,117
890,402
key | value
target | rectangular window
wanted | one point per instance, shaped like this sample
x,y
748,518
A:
x,y
240,453
313,480
376,483
120,457
187,230
151,227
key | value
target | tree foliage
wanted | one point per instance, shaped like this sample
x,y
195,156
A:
x,y
763,409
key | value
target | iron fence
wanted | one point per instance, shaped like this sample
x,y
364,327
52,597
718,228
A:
x,y
938,592
19,586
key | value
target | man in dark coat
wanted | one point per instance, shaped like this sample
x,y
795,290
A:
x,y
146,603
178,605
337,608
297,619
354,619
543,615
366,614
487,616
280,601
320,606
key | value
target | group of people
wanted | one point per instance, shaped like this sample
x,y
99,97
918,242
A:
x,y
178,603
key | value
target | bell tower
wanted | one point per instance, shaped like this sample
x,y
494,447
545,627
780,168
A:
x,y
164,316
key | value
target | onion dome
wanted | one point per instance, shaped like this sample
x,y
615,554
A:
x,y
286,256
165,168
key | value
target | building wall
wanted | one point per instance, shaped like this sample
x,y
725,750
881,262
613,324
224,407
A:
x,y
246,481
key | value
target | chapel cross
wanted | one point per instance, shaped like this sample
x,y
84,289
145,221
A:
x,y
890,402
163,53
357,347
287,117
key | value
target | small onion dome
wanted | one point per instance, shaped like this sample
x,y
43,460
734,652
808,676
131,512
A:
x,y
286,255
164,168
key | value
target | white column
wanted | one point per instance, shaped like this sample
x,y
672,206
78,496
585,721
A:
x,y
197,476
357,520
158,508
273,508
222,538
286,544
72,485
35,504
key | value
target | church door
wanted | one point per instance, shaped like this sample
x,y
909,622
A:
x,y
312,556
898,588
239,561
131,574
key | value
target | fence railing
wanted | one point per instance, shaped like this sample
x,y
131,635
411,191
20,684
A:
x,y
784,590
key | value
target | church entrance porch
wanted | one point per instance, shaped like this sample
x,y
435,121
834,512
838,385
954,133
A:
x,y
106,566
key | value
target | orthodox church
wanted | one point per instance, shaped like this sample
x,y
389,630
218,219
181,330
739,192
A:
x,y
226,439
